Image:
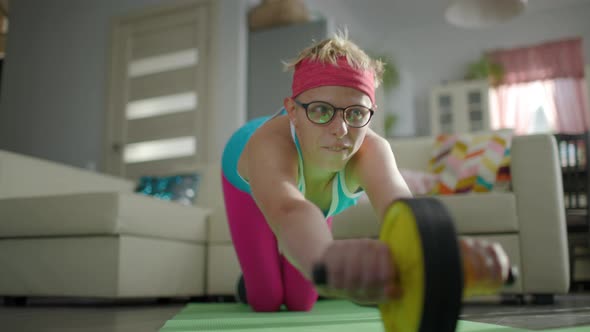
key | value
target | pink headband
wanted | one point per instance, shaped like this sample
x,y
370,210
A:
x,y
309,75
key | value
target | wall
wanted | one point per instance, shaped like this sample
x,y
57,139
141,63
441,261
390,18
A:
x,y
53,94
429,55
54,84
268,83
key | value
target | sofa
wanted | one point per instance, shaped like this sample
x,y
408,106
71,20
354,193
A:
x,y
71,232
529,221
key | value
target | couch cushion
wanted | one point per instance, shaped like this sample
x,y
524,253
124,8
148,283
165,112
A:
x,y
219,231
473,213
412,152
24,176
483,213
211,196
100,214
101,267
358,221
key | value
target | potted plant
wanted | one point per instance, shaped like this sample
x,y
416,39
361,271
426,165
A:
x,y
485,68
391,80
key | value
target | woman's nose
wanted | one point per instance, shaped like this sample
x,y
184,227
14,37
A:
x,y
338,126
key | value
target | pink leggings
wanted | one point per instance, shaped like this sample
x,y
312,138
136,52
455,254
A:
x,y
270,279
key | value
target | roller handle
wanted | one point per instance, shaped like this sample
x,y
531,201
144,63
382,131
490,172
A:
x,y
320,275
512,276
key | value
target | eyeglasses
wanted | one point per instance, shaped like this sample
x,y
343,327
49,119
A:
x,y
321,112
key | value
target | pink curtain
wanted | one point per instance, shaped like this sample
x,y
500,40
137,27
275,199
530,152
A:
x,y
570,101
505,100
556,66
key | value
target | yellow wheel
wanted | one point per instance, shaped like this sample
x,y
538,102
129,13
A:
x,y
423,242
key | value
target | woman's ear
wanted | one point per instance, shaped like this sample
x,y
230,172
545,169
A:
x,y
290,108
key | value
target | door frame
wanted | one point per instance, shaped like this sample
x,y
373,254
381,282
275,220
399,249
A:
x,y
114,125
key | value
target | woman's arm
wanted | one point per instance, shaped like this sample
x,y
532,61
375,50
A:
x,y
376,171
378,174
299,225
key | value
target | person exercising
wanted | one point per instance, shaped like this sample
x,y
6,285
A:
x,y
285,176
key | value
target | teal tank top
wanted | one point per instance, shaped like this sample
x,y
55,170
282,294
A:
x,y
342,198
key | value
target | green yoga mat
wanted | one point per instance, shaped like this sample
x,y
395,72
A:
x,y
326,316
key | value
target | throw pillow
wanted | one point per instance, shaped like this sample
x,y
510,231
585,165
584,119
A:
x,y
444,162
180,188
504,177
441,150
470,163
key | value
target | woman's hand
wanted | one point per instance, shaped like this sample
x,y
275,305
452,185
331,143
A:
x,y
485,265
361,270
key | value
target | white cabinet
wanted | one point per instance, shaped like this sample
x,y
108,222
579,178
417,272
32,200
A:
x,y
460,107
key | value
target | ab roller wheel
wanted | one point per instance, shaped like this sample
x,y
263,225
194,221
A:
x,y
421,236
423,242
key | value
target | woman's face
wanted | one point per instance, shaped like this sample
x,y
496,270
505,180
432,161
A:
x,y
328,146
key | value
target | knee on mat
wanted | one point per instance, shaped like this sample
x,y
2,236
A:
x,y
301,302
265,302
300,306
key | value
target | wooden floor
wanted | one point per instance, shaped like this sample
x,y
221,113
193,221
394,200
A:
x,y
567,311
64,315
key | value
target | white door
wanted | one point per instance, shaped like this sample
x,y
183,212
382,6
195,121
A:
x,y
157,116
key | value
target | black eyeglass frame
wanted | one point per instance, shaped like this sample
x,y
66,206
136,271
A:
x,y
336,109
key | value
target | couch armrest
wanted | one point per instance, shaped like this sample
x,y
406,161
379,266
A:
x,y
537,184
25,176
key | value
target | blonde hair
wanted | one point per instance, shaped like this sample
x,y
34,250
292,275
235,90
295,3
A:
x,y
330,49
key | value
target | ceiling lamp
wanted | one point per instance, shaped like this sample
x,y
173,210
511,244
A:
x,y
482,13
